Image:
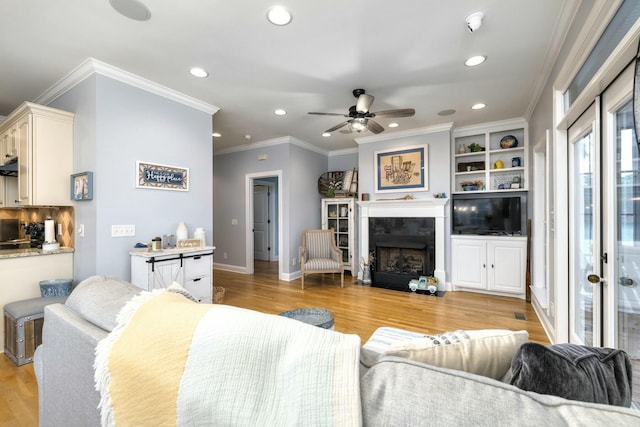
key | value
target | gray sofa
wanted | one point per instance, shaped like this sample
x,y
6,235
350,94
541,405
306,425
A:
x,y
394,391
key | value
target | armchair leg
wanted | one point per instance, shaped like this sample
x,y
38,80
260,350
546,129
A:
x,y
302,277
342,279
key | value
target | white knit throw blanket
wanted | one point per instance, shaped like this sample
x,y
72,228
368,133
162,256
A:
x,y
173,362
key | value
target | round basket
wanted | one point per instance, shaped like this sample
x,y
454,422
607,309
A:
x,y
218,294
55,287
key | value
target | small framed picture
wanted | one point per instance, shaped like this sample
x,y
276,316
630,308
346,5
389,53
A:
x,y
82,186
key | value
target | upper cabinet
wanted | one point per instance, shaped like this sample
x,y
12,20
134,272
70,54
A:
x,y
491,157
8,146
44,140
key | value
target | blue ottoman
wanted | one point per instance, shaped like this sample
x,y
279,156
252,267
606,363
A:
x,y
319,317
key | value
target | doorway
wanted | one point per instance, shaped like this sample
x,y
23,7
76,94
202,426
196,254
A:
x,y
264,241
263,223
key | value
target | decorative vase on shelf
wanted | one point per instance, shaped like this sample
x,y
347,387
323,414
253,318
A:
x,y
182,233
366,275
200,235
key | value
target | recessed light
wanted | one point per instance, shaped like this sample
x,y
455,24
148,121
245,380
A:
x,y
446,112
198,72
279,112
393,125
247,137
132,9
216,134
475,60
478,106
278,15
326,134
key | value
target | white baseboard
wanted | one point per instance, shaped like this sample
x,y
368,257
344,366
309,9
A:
x,y
228,267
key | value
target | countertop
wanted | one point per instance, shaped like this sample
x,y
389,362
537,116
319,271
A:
x,y
17,253
147,253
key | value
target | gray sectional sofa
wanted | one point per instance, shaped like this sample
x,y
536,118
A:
x,y
395,391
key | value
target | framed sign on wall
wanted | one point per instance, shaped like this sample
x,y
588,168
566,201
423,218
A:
x,y
401,169
82,186
161,177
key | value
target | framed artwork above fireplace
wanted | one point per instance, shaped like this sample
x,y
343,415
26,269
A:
x,y
401,169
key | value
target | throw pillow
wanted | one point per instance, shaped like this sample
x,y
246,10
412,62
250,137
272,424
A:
x,y
177,288
576,372
484,352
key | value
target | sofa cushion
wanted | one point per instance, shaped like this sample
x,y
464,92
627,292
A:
x,y
484,352
99,299
402,392
589,374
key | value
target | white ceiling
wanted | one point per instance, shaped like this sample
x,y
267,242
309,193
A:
x,y
407,53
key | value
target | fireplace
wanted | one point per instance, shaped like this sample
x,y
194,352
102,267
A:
x,y
407,239
402,249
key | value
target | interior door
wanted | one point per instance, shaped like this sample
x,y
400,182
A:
x,y
584,229
621,225
261,222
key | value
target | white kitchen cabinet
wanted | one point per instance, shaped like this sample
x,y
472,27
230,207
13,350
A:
x,y
190,267
8,192
494,265
8,145
43,137
339,214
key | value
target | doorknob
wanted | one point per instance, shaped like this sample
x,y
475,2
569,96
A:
x,y
594,279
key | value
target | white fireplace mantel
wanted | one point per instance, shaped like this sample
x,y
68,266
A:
x,y
409,208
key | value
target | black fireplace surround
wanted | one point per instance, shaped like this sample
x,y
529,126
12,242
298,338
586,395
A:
x,y
402,249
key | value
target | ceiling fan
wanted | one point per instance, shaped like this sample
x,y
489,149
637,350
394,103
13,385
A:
x,y
360,118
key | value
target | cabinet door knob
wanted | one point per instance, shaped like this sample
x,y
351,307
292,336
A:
x,y
198,279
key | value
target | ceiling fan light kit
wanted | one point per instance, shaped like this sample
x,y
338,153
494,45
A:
x,y
360,118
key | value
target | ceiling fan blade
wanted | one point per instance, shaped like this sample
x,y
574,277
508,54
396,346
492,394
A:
x,y
402,112
336,127
374,126
329,114
364,102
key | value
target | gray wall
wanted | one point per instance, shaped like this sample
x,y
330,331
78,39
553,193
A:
x,y
115,125
300,169
343,160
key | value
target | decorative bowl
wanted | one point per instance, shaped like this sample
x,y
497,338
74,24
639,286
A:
x,y
509,141
469,187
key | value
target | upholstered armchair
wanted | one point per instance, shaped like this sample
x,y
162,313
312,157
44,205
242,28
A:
x,y
319,254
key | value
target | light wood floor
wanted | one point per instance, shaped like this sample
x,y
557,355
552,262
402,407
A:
x,y
356,309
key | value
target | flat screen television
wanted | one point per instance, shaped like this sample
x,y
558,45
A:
x,y
490,214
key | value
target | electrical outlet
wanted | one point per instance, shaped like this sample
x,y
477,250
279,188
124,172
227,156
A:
x,y
123,230
224,255
80,230
293,261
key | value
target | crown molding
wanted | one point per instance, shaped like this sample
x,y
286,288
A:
x,y
92,66
445,127
343,152
271,143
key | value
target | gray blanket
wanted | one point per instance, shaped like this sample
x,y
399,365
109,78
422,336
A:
x,y
589,374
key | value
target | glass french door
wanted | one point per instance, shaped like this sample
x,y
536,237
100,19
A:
x,y
621,223
604,212
584,230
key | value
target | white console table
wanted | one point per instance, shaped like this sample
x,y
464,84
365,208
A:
x,y
190,267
